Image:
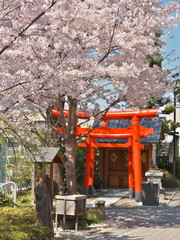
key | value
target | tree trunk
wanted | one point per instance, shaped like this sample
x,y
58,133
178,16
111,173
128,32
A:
x,y
70,166
70,147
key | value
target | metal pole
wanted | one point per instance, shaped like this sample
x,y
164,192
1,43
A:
x,y
176,91
174,139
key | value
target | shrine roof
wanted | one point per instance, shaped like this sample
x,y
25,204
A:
x,y
155,123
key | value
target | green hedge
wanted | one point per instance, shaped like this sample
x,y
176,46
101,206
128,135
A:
x,y
21,224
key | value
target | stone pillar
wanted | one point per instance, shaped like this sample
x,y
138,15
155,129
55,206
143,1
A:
x,y
154,153
43,205
100,209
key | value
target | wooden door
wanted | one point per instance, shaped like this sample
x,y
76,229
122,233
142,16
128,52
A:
x,y
117,168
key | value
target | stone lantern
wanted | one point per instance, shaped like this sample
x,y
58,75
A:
x,y
154,175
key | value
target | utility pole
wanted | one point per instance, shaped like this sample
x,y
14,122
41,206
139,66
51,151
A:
x,y
174,138
176,92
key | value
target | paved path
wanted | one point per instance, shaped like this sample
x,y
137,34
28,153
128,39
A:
x,y
137,223
152,233
112,196
143,223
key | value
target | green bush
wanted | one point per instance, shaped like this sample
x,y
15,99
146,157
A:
x,y
168,180
24,199
21,224
26,233
5,201
91,217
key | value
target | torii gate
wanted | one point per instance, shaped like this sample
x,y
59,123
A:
x,y
133,134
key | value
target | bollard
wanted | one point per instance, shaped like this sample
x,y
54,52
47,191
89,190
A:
x,y
100,209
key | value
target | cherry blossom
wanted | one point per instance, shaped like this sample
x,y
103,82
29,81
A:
x,y
79,53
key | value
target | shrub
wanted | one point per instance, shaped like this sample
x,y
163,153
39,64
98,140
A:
x,y
5,201
26,233
24,199
91,217
168,180
21,224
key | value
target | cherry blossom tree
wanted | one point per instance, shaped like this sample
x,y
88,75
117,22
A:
x,y
76,54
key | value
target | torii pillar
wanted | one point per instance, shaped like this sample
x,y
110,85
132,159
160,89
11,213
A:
x,y
136,151
130,170
89,167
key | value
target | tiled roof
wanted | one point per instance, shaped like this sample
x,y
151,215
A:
x,y
155,123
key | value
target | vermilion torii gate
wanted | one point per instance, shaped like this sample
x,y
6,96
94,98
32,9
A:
x,y
132,133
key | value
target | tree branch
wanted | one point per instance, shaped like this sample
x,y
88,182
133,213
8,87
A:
x,y
104,112
18,137
27,27
15,85
7,108
110,43
9,142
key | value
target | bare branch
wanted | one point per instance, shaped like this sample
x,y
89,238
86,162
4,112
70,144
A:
x,y
15,85
110,48
19,138
104,112
7,108
6,135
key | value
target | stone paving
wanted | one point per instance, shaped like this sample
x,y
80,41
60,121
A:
x,y
111,197
134,222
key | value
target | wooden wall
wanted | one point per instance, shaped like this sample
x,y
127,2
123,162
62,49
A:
x,y
114,166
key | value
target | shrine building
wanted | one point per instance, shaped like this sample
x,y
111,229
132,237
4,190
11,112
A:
x,y
113,162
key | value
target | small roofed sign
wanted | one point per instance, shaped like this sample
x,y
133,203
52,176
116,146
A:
x,y
48,154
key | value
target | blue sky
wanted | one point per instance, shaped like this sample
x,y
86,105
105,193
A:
x,y
174,45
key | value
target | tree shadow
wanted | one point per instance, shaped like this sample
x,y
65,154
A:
x,y
131,218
